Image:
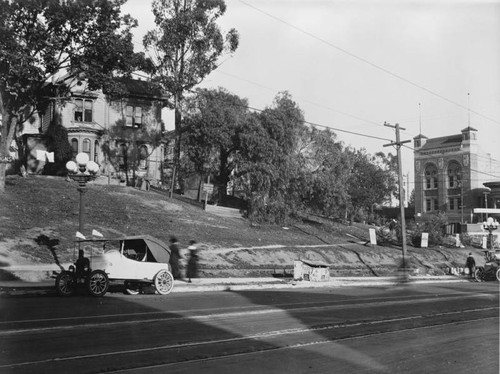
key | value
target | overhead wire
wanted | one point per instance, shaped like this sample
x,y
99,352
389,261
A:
x,y
313,123
364,60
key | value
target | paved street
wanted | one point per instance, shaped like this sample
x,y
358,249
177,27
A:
x,y
415,328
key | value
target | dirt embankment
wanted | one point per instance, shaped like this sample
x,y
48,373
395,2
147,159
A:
x,y
39,217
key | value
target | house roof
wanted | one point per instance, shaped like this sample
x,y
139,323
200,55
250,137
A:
x,y
140,88
442,142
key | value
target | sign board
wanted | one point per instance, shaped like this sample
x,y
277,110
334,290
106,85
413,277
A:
x,y
485,242
487,210
6,159
207,187
424,243
373,236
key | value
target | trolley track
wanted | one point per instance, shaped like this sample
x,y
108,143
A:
x,y
188,332
203,350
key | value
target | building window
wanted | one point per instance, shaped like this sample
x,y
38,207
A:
x,y
454,203
74,146
431,204
83,110
86,147
431,178
133,116
454,175
96,152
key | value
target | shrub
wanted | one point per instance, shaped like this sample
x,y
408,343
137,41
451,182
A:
x,y
433,226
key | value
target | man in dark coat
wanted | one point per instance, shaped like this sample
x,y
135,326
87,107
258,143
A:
x,y
470,263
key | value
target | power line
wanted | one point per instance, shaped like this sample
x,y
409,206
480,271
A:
x,y
305,100
312,123
369,62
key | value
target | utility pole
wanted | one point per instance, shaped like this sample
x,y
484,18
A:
x,y
398,143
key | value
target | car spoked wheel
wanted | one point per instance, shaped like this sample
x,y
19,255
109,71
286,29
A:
x,y
66,283
479,274
164,282
498,275
97,283
132,288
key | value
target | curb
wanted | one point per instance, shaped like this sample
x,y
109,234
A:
x,y
17,288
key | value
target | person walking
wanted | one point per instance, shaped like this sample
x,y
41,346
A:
x,y
175,256
192,266
470,263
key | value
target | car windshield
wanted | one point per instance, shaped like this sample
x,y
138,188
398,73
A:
x,y
137,249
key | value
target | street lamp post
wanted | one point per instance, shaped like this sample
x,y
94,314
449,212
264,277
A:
x,y
82,171
490,225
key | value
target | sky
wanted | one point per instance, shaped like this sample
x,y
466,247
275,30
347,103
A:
x,y
432,66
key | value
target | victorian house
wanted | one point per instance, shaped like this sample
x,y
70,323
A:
x,y
451,176
125,135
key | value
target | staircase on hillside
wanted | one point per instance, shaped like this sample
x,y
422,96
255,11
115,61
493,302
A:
x,y
223,211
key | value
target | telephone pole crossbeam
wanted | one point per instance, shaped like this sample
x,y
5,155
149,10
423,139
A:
x,y
398,143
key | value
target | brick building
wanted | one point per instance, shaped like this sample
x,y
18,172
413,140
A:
x,y
450,173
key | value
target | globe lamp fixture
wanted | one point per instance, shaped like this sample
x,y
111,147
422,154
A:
x,y
82,171
490,225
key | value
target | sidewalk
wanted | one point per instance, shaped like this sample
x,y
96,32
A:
x,y
238,284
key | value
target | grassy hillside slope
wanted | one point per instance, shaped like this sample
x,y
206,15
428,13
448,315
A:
x,y
39,218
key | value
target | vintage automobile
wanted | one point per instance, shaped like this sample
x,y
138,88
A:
x,y
491,269
139,261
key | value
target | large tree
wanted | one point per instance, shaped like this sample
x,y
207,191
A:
x,y
325,165
371,182
269,167
43,41
188,44
212,130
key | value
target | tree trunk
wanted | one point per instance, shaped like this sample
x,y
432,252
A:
x,y
7,136
177,144
223,175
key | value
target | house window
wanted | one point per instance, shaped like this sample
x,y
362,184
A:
x,y
86,147
83,110
451,202
138,116
74,146
122,157
431,178
96,151
133,116
143,157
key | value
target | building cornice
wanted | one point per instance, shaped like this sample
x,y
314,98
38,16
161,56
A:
x,y
439,150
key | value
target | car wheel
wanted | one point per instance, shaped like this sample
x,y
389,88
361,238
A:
x,y
498,275
132,288
66,283
479,274
164,282
97,283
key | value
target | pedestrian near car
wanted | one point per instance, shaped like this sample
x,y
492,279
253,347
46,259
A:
x,y
470,263
192,266
175,256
